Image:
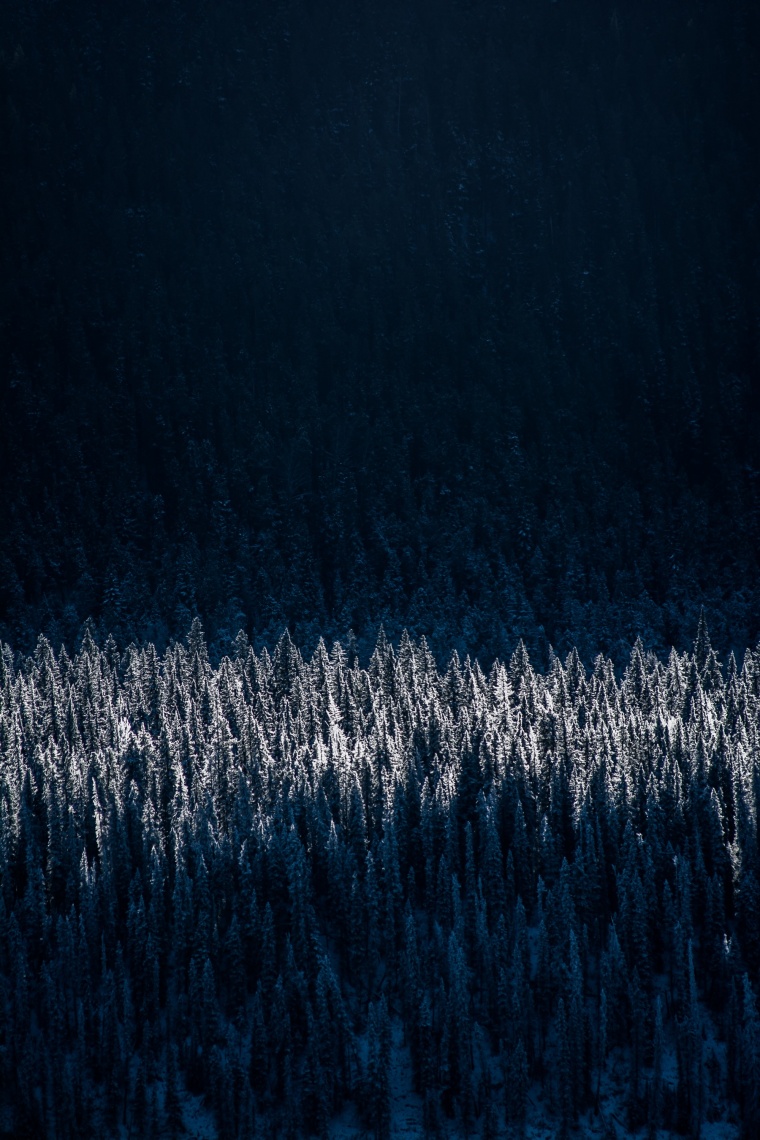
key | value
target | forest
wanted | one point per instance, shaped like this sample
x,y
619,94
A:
x,y
435,313
379,437
289,896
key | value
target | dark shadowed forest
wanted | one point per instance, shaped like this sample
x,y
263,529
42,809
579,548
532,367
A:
x,y
428,330
443,315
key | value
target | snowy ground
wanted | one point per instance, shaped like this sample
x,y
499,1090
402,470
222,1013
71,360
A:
x,y
199,1122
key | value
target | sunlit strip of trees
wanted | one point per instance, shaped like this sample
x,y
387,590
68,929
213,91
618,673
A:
x,y
269,883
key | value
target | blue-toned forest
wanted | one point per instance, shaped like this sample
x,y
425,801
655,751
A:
x,y
292,887
379,439
435,313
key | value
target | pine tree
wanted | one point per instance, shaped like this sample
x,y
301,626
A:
x,y
576,1023
750,1061
601,1043
378,1107
639,1038
565,1097
695,1073
516,1084
140,1107
314,1092
259,1046
656,1087
172,1105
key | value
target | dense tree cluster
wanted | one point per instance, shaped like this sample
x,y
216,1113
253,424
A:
x,y
269,882
438,313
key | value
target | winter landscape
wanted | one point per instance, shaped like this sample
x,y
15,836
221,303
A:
x,y
284,897
379,569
